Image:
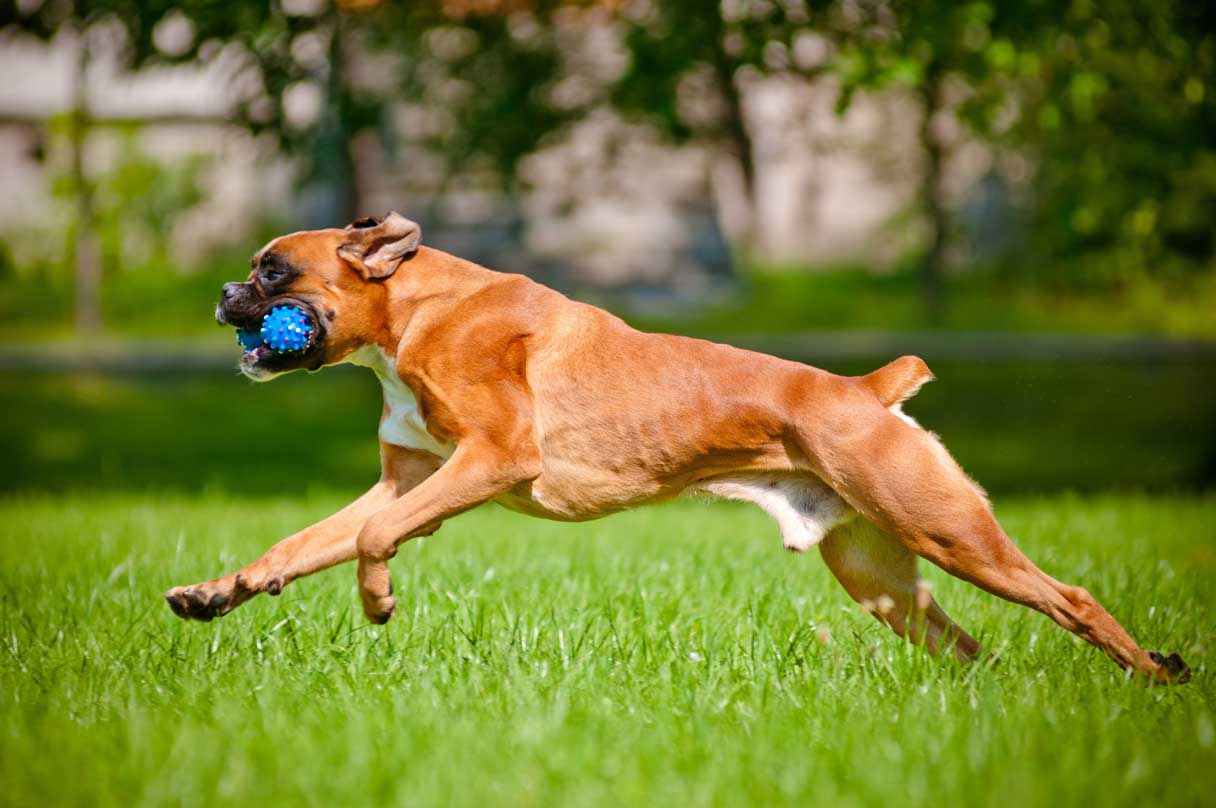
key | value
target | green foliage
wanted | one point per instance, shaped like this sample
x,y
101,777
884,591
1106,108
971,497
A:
x,y
670,656
478,87
136,204
261,26
1113,104
669,43
1121,117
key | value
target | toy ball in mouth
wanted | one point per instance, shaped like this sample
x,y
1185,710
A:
x,y
285,329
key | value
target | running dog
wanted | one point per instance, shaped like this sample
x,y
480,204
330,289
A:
x,y
498,388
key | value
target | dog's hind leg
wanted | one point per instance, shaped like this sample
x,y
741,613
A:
x,y
876,570
902,479
880,573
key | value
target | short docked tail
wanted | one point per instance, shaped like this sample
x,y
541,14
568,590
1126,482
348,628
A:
x,y
898,381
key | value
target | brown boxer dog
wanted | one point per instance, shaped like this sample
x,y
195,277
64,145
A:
x,y
498,388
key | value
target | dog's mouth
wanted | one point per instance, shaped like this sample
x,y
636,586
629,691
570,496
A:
x,y
261,359
252,357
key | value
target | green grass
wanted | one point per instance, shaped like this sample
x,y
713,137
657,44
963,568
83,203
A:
x,y
669,656
801,299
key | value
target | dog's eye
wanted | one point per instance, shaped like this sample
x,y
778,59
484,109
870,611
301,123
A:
x,y
274,274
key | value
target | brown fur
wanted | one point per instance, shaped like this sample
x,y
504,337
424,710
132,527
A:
x,y
561,410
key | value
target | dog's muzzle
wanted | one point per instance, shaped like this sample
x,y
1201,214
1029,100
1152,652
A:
x,y
239,306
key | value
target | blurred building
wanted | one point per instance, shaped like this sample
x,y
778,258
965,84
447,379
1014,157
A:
x,y
607,204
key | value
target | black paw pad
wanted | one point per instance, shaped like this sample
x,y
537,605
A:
x,y
196,607
1174,667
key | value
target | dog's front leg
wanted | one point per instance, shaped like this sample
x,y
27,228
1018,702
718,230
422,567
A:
x,y
477,472
320,546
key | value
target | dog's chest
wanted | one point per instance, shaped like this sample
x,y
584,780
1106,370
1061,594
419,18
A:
x,y
402,425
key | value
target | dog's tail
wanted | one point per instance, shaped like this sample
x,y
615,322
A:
x,y
898,381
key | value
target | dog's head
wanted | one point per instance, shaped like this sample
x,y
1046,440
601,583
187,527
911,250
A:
x,y
336,276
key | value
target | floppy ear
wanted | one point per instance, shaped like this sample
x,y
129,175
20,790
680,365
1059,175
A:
x,y
376,247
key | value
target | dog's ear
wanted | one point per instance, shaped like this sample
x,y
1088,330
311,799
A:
x,y
376,247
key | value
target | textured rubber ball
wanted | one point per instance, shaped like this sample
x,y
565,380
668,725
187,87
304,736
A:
x,y
249,338
286,329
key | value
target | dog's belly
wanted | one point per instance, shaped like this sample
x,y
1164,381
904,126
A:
x,y
579,480
572,492
616,431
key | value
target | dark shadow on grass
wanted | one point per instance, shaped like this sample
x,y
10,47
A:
x,y
1015,426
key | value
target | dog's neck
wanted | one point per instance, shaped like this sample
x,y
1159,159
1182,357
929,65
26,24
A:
x,y
428,285
425,285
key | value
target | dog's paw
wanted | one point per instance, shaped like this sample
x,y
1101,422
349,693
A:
x,y
210,599
1170,669
196,603
378,609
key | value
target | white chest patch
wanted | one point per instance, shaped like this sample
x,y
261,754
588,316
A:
x,y
402,425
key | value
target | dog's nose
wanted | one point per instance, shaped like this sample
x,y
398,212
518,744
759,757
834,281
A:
x,y
231,290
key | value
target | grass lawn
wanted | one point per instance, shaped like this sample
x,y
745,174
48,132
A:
x,y
670,656
776,300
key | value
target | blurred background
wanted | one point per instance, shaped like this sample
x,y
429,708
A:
x,y
1023,192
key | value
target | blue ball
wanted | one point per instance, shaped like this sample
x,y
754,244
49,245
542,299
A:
x,y
249,338
286,329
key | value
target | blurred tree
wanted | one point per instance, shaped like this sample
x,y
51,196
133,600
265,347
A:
x,y
274,39
474,80
1117,109
921,46
482,67
1113,105
688,62
136,202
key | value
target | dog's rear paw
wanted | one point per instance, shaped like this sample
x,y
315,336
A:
x,y
1170,669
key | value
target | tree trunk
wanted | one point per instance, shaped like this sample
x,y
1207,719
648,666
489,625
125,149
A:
x,y
330,168
933,264
341,135
85,256
739,142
